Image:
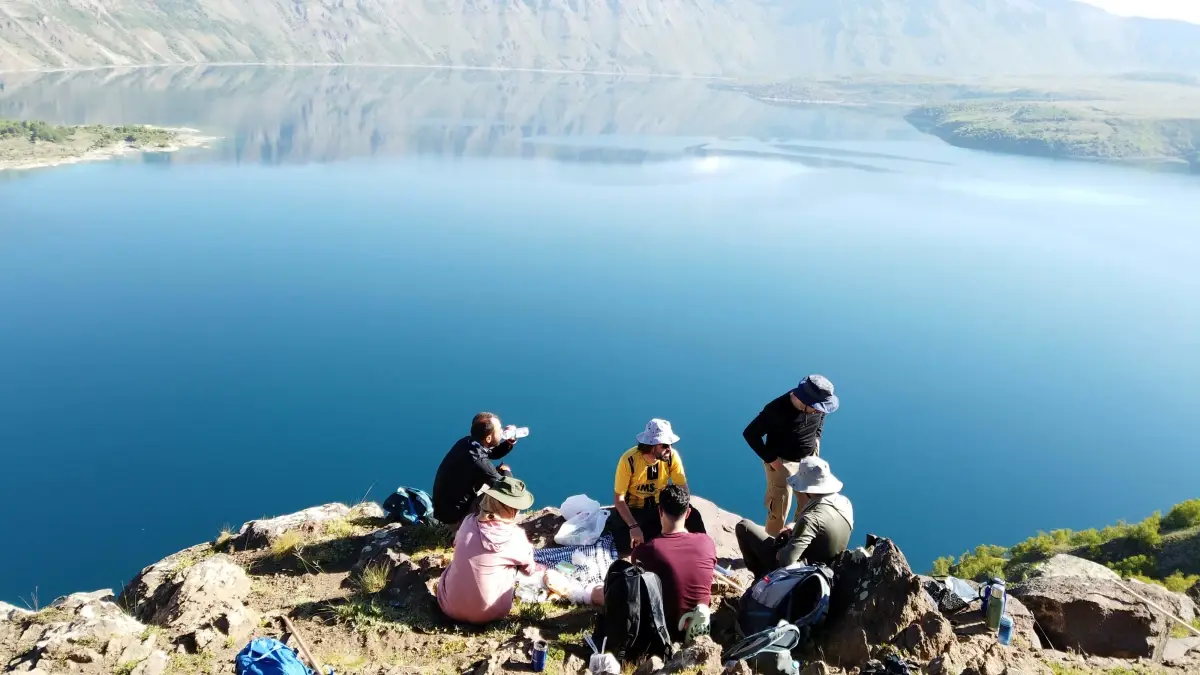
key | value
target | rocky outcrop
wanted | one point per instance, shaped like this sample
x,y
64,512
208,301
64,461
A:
x,y
877,600
150,589
1063,565
81,632
260,533
198,597
10,612
207,602
1101,617
719,524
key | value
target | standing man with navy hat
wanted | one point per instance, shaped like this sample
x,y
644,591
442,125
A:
x,y
786,431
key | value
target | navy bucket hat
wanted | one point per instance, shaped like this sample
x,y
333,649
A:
x,y
816,391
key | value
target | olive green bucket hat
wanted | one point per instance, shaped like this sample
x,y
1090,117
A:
x,y
510,492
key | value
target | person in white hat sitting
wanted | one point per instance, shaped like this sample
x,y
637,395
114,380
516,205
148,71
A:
x,y
642,473
822,529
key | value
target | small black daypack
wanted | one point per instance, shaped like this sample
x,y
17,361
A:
x,y
634,619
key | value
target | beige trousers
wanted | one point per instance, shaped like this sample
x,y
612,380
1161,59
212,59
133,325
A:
x,y
779,496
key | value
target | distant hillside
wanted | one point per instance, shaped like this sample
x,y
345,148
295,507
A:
x,y
715,37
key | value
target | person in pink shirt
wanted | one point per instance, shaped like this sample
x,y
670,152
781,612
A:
x,y
489,549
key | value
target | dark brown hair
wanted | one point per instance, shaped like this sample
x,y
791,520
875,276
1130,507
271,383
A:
x,y
481,426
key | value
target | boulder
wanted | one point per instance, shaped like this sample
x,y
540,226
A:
x,y
1063,565
151,588
1181,651
1099,616
1194,593
260,533
648,666
206,601
156,664
703,656
877,600
720,523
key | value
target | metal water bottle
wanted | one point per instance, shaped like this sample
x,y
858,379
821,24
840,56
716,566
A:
x,y
994,603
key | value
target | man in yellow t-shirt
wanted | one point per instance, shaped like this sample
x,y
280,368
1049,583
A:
x,y
642,473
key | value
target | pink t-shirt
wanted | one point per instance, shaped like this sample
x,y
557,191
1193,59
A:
x,y
478,587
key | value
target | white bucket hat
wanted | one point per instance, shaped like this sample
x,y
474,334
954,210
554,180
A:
x,y
658,432
814,478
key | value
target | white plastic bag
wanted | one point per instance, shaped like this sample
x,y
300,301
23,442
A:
x,y
585,521
578,504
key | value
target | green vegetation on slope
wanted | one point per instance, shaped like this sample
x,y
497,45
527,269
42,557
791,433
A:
x,y
1132,550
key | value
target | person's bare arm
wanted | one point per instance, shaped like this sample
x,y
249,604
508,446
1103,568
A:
x,y
635,532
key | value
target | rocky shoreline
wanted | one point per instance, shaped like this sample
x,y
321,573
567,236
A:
x,y
359,589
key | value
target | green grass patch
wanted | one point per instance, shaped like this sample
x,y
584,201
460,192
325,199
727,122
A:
x,y
372,580
339,528
286,544
125,668
191,664
226,535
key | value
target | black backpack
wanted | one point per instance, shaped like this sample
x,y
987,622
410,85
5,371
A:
x,y
634,619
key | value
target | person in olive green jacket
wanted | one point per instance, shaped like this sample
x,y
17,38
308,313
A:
x,y
822,531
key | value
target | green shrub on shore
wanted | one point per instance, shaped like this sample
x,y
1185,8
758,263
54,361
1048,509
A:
x,y
34,131
1182,516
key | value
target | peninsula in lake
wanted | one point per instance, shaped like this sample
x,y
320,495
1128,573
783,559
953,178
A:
x,y
26,144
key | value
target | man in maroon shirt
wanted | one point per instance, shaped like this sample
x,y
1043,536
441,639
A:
x,y
683,560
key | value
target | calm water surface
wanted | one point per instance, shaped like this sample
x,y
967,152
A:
x,y
315,307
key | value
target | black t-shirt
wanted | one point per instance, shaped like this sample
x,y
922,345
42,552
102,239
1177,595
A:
x,y
466,468
791,435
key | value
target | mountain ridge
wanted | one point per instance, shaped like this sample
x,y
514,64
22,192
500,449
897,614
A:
x,y
741,38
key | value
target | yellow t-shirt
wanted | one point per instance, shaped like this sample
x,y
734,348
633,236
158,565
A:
x,y
640,481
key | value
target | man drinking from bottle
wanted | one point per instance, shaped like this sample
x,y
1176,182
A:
x,y
468,467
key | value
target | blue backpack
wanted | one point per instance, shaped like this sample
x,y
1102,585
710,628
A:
x,y
268,656
409,505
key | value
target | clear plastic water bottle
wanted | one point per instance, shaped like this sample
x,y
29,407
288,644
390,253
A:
x,y
1005,634
513,433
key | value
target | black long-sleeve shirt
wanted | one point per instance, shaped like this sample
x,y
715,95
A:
x,y
791,435
466,468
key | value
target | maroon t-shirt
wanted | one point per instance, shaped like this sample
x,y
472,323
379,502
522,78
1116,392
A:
x,y
684,561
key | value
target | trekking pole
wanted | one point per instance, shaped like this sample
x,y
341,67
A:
x,y
291,628
1174,618
728,582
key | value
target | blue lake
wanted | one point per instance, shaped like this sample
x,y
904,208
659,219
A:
x,y
313,308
